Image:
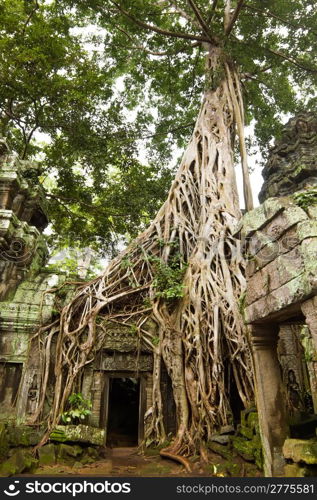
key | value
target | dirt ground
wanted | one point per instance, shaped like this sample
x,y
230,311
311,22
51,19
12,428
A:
x,y
128,462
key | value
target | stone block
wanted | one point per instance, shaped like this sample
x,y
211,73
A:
x,y
227,429
222,450
307,229
20,461
283,269
301,450
308,250
244,447
246,432
295,290
312,212
270,251
47,454
260,216
244,415
24,435
66,451
253,421
257,287
295,470
92,452
221,439
126,362
78,433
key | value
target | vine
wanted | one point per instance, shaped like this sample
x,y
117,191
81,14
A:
x,y
306,199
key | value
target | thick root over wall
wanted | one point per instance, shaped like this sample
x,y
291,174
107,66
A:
x,y
201,338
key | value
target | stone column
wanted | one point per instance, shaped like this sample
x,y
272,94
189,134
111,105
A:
x,y
148,398
309,309
271,397
96,397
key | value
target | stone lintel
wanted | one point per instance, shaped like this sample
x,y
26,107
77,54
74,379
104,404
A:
x,y
257,218
276,228
278,272
125,362
291,293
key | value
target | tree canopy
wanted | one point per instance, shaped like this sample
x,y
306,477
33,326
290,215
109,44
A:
x,y
111,82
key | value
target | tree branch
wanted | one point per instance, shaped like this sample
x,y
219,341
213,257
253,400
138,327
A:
x,y
226,14
156,29
274,16
252,76
291,60
184,14
152,52
28,140
234,17
200,19
35,8
67,209
296,62
212,10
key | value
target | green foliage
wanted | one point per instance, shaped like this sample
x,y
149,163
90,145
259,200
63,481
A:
x,y
307,198
79,409
133,329
242,303
125,263
56,80
168,278
307,344
106,91
272,44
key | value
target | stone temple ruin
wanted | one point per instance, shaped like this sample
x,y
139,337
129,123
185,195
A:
x,y
280,239
280,308
119,383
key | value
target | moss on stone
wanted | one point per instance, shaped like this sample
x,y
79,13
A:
x,y
47,454
4,445
78,433
66,451
20,461
253,420
250,450
301,450
222,450
246,432
296,470
23,435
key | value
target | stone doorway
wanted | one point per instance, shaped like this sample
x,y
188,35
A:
x,y
124,412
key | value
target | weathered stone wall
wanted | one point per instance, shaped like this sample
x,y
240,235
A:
x,y
22,220
292,161
19,319
26,304
280,242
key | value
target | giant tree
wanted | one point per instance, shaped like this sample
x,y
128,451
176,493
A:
x,y
184,274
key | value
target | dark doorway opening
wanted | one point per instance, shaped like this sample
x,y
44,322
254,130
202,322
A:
x,y
169,407
123,413
10,376
235,401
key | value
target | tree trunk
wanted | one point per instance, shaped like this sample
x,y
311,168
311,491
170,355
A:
x,y
201,334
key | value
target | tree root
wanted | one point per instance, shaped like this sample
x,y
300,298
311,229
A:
x,y
177,458
198,330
